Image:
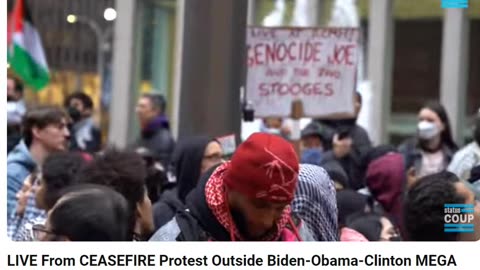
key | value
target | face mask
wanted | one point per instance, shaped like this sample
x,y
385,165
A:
x,y
74,114
427,130
312,156
10,98
274,131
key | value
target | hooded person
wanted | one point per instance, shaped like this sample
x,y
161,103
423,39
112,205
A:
x,y
350,202
337,174
315,202
245,199
192,157
386,180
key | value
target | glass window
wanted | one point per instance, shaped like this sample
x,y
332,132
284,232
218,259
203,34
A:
x,y
154,56
156,43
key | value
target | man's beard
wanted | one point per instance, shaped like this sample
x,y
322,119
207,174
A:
x,y
242,226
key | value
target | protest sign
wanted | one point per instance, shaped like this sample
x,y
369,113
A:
x,y
314,65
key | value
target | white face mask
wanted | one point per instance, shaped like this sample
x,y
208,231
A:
x,y
274,131
427,130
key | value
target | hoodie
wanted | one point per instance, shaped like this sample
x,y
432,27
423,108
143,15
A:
x,y
385,178
187,160
198,222
19,165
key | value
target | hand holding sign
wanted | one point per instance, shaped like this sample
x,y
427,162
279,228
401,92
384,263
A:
x,y
341,147
314,65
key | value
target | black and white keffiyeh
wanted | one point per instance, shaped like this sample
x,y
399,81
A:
x,y
315,202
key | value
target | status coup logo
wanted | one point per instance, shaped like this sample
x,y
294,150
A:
x,y
458,218
454,3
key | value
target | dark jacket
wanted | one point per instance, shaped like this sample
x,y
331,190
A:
x,y
198,223
361,145
166,208
187,161
157,138
336,173
350,202
412,153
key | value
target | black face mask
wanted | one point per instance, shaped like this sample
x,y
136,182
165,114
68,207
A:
x,y
74,114
240,221
10,98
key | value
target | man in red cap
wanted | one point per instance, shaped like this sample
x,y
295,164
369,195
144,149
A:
x,y
245,199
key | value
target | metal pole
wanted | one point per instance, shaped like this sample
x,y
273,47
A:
x,y
251,12
213,67
100,41
454,70
380,66
121,108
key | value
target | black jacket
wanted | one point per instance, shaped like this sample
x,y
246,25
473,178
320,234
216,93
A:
x,y
353,163
160,142
208,225
166,208
187,161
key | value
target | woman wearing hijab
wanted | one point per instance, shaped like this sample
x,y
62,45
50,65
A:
x,y
315,202
193,156
432,149
386,179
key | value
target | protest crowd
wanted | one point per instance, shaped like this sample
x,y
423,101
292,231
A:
x,y
63,184
128,128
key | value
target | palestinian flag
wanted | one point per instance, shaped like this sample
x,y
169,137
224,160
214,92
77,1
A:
x,y
25,52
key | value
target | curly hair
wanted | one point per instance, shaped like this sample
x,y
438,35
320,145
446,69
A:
x,y
122,170
424,207
59,171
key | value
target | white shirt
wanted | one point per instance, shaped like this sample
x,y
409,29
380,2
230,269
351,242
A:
x,y
431,163
464,160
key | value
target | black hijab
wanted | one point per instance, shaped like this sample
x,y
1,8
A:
x,y
187,161
350,202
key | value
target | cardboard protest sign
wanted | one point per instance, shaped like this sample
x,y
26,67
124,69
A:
x,y
314,65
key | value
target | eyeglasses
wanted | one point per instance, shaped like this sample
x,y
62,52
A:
x,y
214,157
41,233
